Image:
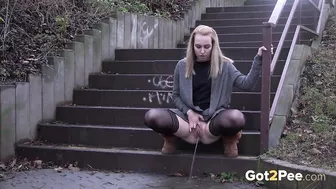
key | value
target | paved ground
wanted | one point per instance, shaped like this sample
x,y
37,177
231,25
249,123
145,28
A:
x,y
50,179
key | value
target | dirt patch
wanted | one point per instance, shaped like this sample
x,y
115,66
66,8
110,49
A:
x,y
32,30
310,135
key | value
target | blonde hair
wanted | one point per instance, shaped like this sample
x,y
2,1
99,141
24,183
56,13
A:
x,y
217,57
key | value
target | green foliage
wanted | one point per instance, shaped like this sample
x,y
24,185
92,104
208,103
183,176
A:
x,y
160,8
331,109
62,22
135,6
321,124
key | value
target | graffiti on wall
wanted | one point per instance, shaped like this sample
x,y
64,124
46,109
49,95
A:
x,y
162,82
146,32
158,97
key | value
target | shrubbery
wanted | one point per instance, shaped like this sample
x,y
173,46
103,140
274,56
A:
x,y
33,29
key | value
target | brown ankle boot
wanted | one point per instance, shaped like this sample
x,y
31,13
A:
x,y
169,145
230,145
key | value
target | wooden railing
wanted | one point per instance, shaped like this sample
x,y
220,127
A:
x,y
269,63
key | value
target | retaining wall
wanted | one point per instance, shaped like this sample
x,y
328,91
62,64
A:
x,y
24,105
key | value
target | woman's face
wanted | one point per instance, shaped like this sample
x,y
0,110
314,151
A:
x,y
202,47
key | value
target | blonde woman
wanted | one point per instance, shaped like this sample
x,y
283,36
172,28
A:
x,y
203,83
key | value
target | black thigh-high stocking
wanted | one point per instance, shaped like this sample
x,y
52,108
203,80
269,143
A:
x,y
162,121
227,123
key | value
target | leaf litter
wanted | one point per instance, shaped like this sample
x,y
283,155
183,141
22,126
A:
x,y
8,169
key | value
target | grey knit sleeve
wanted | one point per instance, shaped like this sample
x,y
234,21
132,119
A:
x,y
179,104
249,81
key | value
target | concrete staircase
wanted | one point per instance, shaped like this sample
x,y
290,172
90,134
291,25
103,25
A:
x,y
104,129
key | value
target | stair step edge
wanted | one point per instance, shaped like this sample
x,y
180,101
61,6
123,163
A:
x,y
134,108
157,90
119,127
233,19
128,150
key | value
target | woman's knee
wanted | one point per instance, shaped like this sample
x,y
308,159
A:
x,y
161,120
236,118
152,117
228,122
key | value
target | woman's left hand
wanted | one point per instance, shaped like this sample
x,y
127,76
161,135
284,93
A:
x,y
260,50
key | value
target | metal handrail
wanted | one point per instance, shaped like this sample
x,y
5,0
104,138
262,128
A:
x,y
268,64
317,7
283,36
273,20
317,32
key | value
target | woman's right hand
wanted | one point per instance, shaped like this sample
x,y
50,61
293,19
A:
x,y
193,119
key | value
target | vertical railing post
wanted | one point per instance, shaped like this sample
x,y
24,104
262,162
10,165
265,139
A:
x,y
300,20
265,87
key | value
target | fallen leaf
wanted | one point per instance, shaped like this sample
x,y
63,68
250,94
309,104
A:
x,y
2,166
59,169
72,168
13,163
305,162
38,164
178,174
260,183
285,131
307,131
294,111
296,121
315,151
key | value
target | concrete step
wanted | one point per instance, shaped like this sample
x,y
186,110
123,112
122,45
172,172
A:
x,y
255,44
150,82
154,98
247,37
144,138
259,14
138,160
267,2
252,21
165,67
252,28
121,116
235,53
255,8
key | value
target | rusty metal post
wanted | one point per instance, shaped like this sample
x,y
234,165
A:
x,y
265,87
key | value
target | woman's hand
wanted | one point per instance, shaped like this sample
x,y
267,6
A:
x,y
194,119
260,50
201,129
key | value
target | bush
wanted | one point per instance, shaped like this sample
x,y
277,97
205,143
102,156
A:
x,y
31,30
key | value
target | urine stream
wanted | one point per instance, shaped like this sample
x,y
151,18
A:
x,y
193,160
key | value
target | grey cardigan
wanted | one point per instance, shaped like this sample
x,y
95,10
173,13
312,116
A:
x,y
221,88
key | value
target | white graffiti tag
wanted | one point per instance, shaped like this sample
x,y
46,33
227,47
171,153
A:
x,y
163,82
145,33
160,97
